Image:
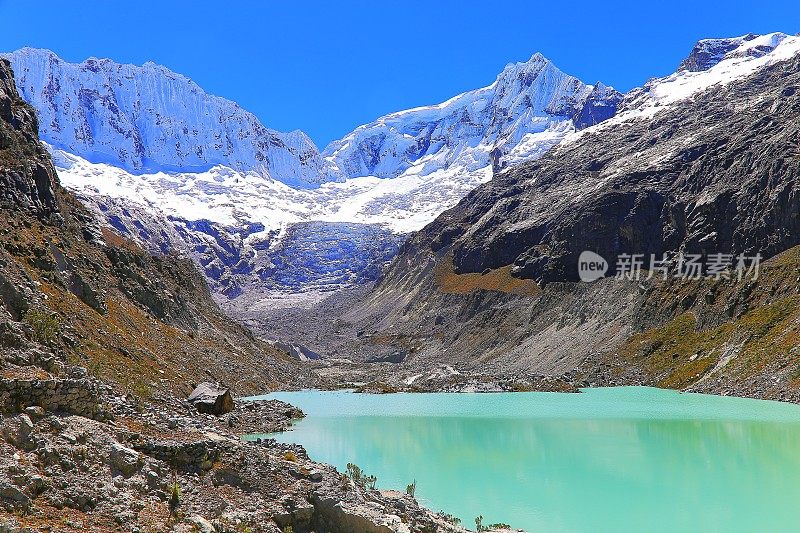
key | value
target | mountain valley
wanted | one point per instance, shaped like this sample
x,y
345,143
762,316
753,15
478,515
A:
x,y
160,244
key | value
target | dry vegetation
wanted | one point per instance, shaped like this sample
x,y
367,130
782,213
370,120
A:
x,y
498,280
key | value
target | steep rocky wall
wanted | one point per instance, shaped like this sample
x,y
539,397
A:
x,y
27,176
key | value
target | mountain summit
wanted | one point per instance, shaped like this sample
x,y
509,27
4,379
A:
x,y
709,52
528,108
148,118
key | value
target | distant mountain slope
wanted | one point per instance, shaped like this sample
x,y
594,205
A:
x,y
149,118
700,162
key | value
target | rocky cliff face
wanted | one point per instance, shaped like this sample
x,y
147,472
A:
x,y
717,174
27,176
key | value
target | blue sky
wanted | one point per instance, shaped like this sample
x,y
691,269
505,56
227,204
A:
x,y
326,67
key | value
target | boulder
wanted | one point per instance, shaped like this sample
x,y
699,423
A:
x,y
123,459
212,399
16,430
11,494
200,524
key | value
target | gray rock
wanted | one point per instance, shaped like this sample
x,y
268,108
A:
x,y
17,430
35,412
123,459
212,399
201,524
13,495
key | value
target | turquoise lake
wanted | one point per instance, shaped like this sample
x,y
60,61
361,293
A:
x,y
615,459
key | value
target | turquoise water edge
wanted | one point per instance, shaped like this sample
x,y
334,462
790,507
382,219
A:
x,y
613,459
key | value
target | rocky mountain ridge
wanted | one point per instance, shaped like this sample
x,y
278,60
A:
x,y
30,184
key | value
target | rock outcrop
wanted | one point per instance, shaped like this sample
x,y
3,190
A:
x,y
212,399
27,176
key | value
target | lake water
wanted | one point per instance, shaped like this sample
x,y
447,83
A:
x,y
616,459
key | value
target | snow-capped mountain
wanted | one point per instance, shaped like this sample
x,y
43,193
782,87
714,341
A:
x,y
148,118
528,108
712,62
251,204
708,52
180,170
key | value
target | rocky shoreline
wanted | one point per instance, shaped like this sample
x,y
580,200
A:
x,y
79,456
145,467
75,455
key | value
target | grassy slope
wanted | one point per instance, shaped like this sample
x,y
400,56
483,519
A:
x,y
723,333
499,280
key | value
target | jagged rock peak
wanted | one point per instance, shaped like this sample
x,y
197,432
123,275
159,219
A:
x,y
708,52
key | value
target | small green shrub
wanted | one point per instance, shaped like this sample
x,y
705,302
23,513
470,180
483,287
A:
x,y
174,497
480,527
45,325
411,489
450,518
359,477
